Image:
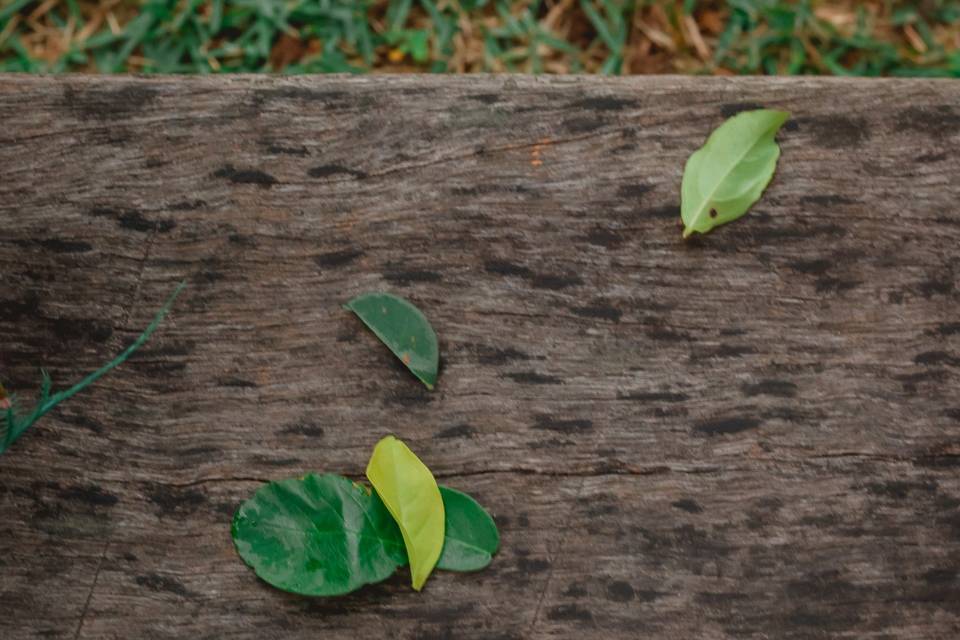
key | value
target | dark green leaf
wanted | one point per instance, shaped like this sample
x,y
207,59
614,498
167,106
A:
x,y
404,329
471,537
318,536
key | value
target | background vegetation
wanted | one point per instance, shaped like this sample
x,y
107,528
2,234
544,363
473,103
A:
x,y
547,36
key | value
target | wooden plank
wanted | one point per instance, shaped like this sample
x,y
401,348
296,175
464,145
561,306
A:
x,y
749,435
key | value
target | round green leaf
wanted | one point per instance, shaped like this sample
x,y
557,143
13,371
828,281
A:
x,y
405,331
471,537
319,535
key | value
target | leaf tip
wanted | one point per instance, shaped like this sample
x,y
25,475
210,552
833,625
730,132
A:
x,y
782,117
387,438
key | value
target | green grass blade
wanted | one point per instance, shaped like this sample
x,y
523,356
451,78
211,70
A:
x,y
12,9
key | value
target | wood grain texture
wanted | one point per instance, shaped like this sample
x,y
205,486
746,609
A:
x,y
755,434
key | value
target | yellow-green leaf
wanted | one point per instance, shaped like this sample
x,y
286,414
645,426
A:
x,y
723,179
412,496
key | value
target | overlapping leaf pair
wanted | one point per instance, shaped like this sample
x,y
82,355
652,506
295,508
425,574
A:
x,y
324,535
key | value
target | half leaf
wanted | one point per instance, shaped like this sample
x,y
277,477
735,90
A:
x,y
471,536
728,174
317,536
404,329
410,492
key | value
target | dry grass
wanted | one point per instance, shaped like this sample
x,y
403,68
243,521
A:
x,y
552,36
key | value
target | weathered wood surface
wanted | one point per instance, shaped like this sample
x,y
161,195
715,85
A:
x,y
751,435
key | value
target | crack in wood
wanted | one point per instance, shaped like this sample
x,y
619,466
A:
x,y
554,557
464,156
139,278
93,586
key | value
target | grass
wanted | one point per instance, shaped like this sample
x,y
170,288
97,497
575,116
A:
x,y
549,36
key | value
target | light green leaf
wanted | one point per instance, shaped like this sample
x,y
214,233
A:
x,y
318,535
728,174
471,536
405,331
410,493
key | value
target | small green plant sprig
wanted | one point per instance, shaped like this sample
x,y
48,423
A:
x,y
15,422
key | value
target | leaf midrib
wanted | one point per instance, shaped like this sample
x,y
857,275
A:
x,y
469,545
326,532
319,496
